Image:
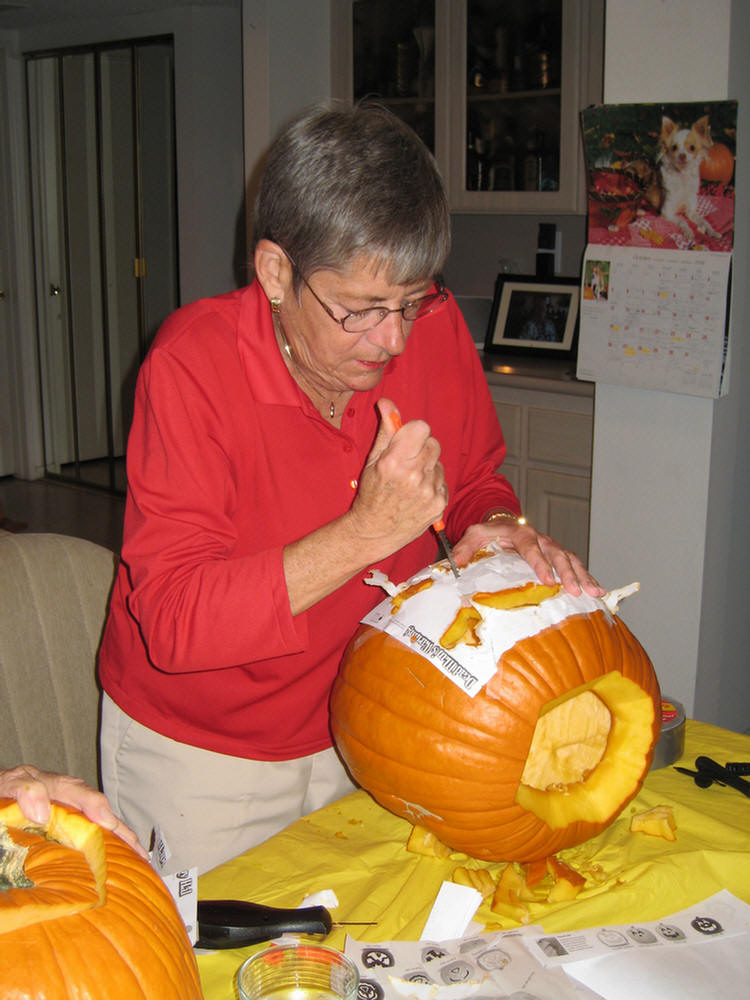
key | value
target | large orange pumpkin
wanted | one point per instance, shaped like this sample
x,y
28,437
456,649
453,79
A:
x,y
96,922
717,164
546,755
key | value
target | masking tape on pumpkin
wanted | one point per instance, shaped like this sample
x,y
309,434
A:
x,y
424,607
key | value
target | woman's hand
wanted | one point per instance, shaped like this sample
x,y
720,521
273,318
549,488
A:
x,y
401,492
544,555
34,790
402,489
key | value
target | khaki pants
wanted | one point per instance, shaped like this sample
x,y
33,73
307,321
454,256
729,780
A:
x,y
209,806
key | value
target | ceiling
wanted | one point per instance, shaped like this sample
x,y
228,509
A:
x,y
16,14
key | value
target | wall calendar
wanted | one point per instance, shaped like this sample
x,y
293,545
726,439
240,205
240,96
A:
x,y
656,273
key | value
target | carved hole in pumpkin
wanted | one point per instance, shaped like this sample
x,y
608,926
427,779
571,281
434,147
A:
x,y
597,796
569,741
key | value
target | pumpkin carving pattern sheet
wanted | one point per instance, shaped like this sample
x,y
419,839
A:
x,y
543,755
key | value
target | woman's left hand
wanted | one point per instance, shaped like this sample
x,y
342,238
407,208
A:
x,y
543,554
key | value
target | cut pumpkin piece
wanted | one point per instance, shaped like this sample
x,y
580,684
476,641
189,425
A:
x,y
403,595
475,878
422,841
568,882
536,871
462,629
524,596
657,822
510,896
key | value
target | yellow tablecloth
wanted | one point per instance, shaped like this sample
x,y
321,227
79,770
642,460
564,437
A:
x,y
358,849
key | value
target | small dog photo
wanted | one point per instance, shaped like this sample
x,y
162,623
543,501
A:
x,y
661,176
596,280
681,152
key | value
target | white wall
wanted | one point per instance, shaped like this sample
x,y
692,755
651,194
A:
x,y
667,467
286,66
722,686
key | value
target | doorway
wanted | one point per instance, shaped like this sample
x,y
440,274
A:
x,y
103,182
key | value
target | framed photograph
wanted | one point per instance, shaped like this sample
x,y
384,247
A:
x,y
534,316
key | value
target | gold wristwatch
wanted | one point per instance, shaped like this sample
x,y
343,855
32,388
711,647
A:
x,y
505,515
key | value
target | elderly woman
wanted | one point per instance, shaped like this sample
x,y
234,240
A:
x,y
266,477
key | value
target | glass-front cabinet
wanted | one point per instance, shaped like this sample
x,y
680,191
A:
x,y
494,87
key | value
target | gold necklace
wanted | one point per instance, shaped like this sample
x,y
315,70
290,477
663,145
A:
x,y
287,347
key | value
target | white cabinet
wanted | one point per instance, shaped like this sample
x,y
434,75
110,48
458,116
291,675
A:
x,y
549,435
494,88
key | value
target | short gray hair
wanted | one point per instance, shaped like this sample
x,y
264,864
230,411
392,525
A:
x,y
344,182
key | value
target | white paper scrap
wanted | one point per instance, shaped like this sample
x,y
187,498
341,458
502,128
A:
x,y
324,897
433,991
452,912
183,886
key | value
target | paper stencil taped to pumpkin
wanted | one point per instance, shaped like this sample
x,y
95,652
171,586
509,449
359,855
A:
x,y
464,625
543,755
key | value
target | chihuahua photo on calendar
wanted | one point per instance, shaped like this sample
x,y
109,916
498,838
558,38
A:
x,y
680,153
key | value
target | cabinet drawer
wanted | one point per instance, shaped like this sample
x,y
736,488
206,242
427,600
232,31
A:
x,y
510,416
558,504
560,438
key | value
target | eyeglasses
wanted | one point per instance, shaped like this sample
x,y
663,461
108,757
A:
x,y
367,319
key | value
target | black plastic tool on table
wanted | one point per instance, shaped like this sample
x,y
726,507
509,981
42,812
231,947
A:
x,y
709,771
234,923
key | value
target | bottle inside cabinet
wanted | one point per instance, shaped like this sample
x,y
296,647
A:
x,y
513,97
394,59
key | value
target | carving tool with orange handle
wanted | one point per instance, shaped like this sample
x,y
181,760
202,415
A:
x,y
437,526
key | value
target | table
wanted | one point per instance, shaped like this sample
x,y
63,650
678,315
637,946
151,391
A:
x,y
358,849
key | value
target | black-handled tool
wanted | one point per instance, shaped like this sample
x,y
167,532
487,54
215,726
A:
x,y
707,766
708,771
234,923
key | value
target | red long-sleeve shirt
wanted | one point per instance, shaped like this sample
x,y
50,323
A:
x,y
228,461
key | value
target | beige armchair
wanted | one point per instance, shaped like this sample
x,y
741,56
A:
x,y
54,591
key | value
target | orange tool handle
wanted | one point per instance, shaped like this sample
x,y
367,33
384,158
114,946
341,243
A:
x,y
397,425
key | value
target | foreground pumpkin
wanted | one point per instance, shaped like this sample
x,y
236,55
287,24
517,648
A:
x,y
90,920
543,757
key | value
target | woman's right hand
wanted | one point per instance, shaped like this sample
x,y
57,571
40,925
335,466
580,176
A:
x,y
34,790
402,489
401,492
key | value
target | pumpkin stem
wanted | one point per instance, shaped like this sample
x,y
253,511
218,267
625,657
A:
x,y
12,862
